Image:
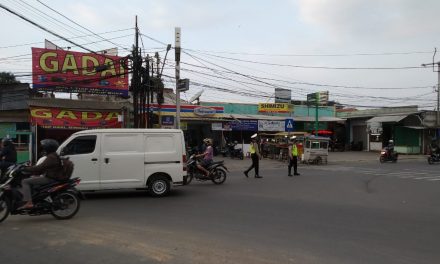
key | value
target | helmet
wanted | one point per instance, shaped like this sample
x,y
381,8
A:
x,y
207,141
293,138
49,145
254,136
390,141
6,142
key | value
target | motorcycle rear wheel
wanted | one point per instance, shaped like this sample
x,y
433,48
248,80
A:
x,y
189,178
430,160
4,208
218,176
65,205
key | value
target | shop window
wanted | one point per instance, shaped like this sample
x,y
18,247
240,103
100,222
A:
x,y
80,145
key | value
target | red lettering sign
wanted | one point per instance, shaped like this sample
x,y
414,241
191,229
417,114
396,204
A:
x,y
76,72
69,119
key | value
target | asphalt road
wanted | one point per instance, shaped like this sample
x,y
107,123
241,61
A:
x,y
362,212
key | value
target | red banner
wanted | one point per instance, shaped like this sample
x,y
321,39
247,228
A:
x,y
77,72
69,119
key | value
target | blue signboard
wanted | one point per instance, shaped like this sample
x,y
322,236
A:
x,y
289,125
244,125
168,120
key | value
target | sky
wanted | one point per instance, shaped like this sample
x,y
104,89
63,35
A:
x,y
367,54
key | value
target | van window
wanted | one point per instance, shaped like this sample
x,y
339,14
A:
x,y
80,145
160,143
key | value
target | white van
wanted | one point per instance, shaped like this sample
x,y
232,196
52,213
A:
x,y
108,159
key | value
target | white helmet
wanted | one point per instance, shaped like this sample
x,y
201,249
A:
x,y
390,141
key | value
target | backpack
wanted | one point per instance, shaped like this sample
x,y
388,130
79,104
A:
x,y
67,168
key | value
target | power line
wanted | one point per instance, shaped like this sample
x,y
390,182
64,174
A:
x,y
95,34
316,67
311,55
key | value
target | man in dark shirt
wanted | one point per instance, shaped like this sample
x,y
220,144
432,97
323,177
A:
x,y
8,154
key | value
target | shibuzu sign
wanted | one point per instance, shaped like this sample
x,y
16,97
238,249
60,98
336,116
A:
x,y
74,72
274,108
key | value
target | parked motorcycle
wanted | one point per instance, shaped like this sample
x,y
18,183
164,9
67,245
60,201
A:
x,y
433,158
232,151
217,171
386,156
61,199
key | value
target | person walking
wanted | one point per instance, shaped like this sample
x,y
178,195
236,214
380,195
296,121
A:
x,y
255,156
293,157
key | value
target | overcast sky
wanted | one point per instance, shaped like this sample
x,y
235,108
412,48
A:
x,y
365,53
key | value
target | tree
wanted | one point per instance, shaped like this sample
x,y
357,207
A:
x,y
7,78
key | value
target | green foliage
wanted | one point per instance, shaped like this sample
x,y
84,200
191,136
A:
x,y
7,78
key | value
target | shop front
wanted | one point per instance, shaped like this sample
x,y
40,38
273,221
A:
x,y
58,122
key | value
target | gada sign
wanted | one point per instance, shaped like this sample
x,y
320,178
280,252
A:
x,y
69,119
72,72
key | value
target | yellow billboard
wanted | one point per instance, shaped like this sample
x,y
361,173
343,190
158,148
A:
x,y
274,108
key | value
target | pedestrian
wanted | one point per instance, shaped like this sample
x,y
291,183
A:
x,y
255,156
293,157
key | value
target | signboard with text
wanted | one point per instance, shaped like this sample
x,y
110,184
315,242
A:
x,y
73,119
244,125
77,72
273,108
269,125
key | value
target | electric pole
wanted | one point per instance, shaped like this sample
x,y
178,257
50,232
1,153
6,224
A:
x,y
437,123
135,82
177,58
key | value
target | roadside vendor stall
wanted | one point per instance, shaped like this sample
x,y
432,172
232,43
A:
x,y
315,150
275,146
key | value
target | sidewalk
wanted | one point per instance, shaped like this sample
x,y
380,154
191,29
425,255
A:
x,y
345,157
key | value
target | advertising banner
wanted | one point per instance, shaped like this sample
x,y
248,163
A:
x,y
77,72
244,125
273,108
268,125
167,120
71,119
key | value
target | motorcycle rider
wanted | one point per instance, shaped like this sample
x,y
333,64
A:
x,y
48,171
207,157
8,154
434,148
390,148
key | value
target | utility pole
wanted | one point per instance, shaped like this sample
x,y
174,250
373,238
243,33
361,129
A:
x,y
437,123
135,82
177,58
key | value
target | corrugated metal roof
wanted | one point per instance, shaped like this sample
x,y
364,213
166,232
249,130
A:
x,y
386,119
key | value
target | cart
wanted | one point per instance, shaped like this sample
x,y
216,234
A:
x,y
315,150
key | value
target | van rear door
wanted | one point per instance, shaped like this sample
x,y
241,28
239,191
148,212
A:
x,y
122,161
163,154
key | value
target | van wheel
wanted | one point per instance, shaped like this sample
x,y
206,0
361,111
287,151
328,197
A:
x,y
159,186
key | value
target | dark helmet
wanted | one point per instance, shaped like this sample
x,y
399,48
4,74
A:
x,y
6,142
49,145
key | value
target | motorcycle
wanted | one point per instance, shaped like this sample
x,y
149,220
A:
x,y
433,157
385,156
61,199
217,171
232,151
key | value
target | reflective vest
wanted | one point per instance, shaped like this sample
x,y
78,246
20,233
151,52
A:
x,y
252,149
294,150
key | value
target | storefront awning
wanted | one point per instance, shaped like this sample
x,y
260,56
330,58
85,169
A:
x,y
387,119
